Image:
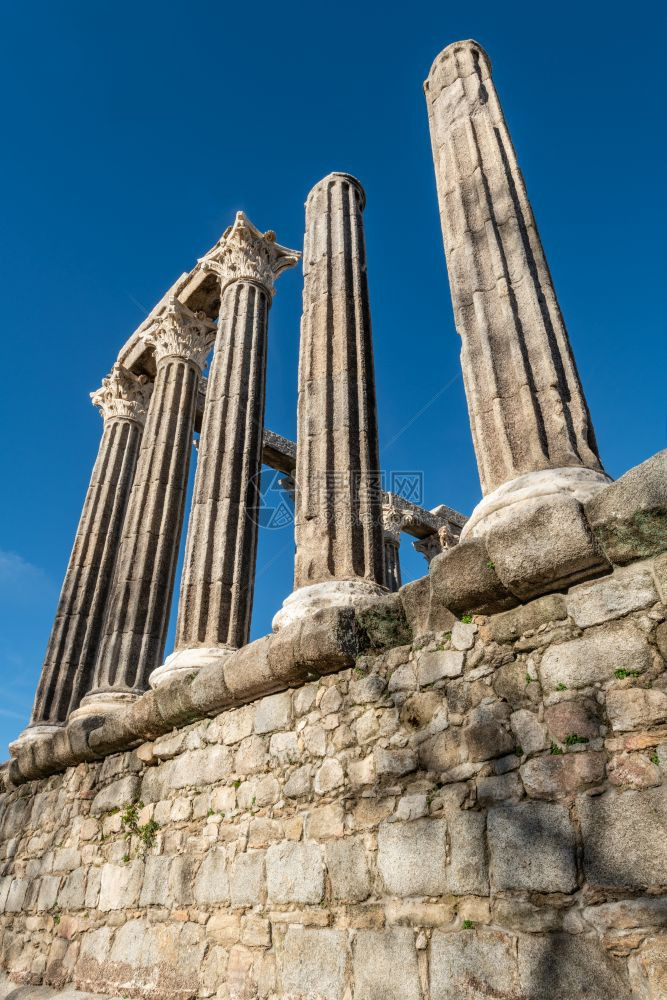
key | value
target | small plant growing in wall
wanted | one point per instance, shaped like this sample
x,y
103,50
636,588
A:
x,y
468,925
655,759
555,750
561,687
146,832
621,674
466,619
572,739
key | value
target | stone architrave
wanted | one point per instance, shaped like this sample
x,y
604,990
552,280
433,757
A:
x,y
70,657
338,515
135,626
531,427
217,584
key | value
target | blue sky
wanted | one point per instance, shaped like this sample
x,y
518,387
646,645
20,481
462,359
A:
x,y
134,132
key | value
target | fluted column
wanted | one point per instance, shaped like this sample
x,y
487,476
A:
x,y
74,641
338,517
218,578
527,408
139,602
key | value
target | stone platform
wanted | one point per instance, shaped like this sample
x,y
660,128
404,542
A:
x,y
436,804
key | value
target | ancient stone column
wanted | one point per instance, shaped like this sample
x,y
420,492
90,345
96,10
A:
x,y
338,516
70,655
217,585
531,427
135,626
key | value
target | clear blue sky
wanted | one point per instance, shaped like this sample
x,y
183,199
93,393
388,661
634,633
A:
x,y
134,132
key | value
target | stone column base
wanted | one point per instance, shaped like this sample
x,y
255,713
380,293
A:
x,y
102,703
188,661
576,482
305,601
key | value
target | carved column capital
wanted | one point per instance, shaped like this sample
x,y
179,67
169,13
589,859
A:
x,y
181,333
394,519
243,253
123,394
435,543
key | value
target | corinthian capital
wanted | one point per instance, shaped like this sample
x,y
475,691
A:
x,y
123,394
394,519
181,333
245,254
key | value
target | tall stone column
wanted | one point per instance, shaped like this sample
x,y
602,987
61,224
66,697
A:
x,y
217,585
70,655
338,516
139,602
531,427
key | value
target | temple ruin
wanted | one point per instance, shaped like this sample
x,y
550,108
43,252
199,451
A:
x,y
444,789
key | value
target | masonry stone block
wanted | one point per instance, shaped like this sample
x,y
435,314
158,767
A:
x,y
531,847
486,739
120,885
529,732
312,962
247,879
201,767
436,665
16,896
412,857
48,892
467,872
473,964
624,838
347,864
563,966
509,625
73,890
629,517
212,882
385,965
464,580
572,717
295,873
555,776
636,708
284,748
116,795
627,589
155,888
595,656
273,713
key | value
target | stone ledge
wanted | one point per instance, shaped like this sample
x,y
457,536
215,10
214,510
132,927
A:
x,y
327,642
550,544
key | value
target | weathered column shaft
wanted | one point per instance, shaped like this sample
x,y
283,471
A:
x,y
139,603
217,585
527,407
74,642
218,573
338,519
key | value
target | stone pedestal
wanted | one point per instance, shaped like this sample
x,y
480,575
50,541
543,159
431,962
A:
x,y
527,408
139,602
338,516
70,656
219,569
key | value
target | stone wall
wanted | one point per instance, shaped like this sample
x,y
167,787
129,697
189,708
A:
x,y
478,813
